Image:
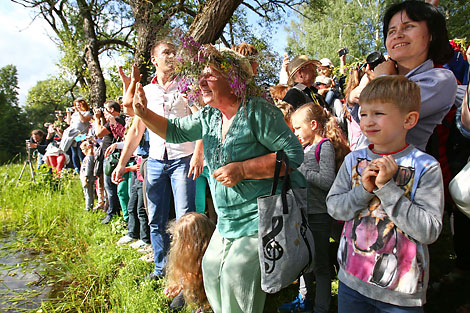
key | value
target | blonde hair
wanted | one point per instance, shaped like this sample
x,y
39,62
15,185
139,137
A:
x,y
394,89
287,110
327,128
190,236
246,49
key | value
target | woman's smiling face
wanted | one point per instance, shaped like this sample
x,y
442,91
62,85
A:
x,y
214,87
407,40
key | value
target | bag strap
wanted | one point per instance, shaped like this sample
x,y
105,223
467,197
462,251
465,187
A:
x,y
318,149
281,157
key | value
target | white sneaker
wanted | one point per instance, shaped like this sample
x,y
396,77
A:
x,y
124,240
137,244
146,249
147,258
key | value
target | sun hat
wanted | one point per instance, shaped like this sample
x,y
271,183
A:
x,y
326,62
297,63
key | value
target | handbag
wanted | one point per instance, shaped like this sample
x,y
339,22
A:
x,y
459,188
286,247
111,162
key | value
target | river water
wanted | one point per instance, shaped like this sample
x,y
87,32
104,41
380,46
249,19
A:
x,y
23,283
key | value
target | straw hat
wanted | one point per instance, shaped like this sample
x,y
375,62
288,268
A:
x,y
297,63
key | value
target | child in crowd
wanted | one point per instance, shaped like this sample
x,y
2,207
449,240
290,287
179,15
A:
x,y
391,197
190,236
325,149
86,174
287,110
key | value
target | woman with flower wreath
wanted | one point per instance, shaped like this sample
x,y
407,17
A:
x,y
240,132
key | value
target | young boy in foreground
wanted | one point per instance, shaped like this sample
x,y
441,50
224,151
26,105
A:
x,y
391,197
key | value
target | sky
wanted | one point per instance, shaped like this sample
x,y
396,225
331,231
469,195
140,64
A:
x,y
26,44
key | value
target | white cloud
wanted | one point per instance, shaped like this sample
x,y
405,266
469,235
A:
x,y
26,45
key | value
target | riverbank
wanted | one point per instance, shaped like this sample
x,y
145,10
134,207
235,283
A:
x,y
87,272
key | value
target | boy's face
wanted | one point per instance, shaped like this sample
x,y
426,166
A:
x,y
385,126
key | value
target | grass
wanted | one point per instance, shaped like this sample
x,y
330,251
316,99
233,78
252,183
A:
x,y
89,273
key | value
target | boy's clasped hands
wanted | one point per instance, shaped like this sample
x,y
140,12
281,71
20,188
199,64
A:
x,y
378,172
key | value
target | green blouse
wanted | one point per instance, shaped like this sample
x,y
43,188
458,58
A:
x,y
258,128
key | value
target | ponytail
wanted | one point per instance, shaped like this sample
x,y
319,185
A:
x,y
333,132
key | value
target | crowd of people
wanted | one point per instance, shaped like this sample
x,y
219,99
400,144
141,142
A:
x,y
370,145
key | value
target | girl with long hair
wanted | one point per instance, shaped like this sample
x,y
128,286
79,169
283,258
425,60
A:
x,y
324,148
190,236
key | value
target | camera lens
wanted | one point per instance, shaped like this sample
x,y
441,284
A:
x,y
374,59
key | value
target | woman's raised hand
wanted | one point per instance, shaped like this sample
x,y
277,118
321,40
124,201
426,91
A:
x,y
140,101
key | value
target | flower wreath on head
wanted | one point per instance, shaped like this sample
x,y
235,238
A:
x,y
193,58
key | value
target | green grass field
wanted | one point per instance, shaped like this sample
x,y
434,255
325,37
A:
x,y
89,273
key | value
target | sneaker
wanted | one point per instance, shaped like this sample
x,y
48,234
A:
x,y
153,276
137,244
106,219
298,305
149,258
146,249
178,302
124,240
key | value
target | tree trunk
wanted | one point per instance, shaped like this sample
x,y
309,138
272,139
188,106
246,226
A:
x,y
146,29
97,84
209,24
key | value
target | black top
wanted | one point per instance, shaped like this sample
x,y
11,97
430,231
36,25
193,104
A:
x,y
300,94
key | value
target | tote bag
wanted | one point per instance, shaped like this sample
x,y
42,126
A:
x,y
459,188
286,244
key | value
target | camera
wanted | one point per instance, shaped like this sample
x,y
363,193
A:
x,y
374,59
343,51
46,125
70,110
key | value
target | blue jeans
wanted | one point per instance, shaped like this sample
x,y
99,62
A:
x,y
113,199
162,178
77,156
351,301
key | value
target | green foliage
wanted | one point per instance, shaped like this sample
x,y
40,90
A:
x,y
327,26
9,84
13,124
46,97
457,13
322,30
240,30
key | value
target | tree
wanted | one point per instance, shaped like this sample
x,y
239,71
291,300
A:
x,y
9,84
457,13
323,29
85,29
13,126
327,26
46,97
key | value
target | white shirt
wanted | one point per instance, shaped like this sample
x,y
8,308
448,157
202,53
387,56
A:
x,y
168,103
